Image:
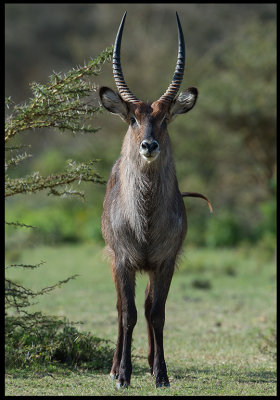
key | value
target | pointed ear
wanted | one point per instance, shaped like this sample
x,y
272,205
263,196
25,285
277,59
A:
x,y
113,102
184,102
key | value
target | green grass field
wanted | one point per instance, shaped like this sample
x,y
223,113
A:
x,y
219,316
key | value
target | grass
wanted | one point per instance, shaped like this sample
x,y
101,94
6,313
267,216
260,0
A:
x,y
220,307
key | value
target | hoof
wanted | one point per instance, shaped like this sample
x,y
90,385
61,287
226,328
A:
x,y
122,385
113,376
162,384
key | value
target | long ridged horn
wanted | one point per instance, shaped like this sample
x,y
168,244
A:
x,y
123,89
174,86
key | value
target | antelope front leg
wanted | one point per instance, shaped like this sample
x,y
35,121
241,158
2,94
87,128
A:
x,y
118,352
148,306
160,282
125,284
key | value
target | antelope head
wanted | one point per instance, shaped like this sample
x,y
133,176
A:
x,y
148,122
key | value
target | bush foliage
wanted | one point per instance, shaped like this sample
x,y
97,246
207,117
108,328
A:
x,y
33,338
52,340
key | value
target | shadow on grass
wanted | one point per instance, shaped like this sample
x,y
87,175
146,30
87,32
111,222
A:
x,y
263,376
236,374
212,373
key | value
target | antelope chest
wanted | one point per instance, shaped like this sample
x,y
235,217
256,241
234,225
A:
x,y
146,234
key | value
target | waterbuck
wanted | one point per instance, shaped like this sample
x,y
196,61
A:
x,y
144,218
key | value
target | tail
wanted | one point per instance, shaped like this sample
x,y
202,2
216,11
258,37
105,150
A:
x,y
193,194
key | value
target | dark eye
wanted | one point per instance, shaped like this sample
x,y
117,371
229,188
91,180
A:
x,y
132,120
165,119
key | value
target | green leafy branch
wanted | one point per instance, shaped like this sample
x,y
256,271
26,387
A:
x,y
63,103
18,297
35,182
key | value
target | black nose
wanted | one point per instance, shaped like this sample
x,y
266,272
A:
x,y
149,146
